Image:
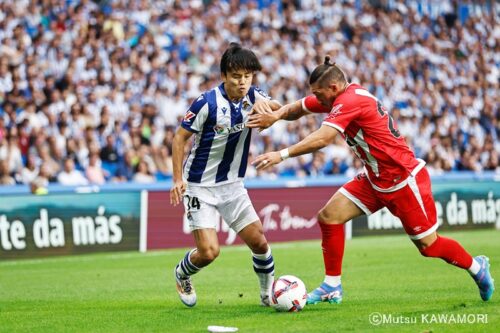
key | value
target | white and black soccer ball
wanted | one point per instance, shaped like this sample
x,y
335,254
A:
x,y
288,294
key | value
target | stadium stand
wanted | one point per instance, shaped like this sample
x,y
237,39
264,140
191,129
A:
x,y
104,84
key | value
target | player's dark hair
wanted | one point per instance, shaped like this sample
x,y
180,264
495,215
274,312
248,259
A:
x,y
237,58
327,72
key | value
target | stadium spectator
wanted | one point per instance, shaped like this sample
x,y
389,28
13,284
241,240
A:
x,y
163,161
71,176
5,178
142,175
126,167
10,152
51,166
30,170
94,172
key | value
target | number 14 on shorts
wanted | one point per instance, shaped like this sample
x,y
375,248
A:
x,y
192,203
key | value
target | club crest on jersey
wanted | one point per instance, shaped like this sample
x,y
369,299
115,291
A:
x,y
246,105
335,111
219,129
189,115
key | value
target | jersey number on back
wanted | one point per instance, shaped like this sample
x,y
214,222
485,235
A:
x,y
382,112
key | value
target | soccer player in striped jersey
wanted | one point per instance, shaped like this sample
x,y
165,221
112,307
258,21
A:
x,y
211,180
393,177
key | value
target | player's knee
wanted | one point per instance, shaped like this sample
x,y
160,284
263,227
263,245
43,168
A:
x,y
429,252
423,252
258,243
425,247
209,254
260,246
328,217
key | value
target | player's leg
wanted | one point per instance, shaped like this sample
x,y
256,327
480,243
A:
x,y
331,220
353,199
452,252
202,218
262,258
239,213
207,249
415,206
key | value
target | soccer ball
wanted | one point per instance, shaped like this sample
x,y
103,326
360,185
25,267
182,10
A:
x,y
288,294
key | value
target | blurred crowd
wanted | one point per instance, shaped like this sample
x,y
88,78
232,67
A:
x,y
92,92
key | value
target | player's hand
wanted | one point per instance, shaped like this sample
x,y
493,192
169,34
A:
x,y
176,192
261,121
261,106
267,160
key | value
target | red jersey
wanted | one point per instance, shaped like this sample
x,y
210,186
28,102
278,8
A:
x,y
372,134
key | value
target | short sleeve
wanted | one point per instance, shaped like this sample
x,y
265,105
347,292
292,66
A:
x,y
255,93
196,115
311,104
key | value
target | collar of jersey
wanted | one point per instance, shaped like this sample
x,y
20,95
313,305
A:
x,y
224,93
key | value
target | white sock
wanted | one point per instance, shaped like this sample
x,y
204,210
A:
x,y
333,281
474,268
263,265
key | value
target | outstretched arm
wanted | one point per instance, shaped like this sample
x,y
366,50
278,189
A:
x,y
264,120
178,186
318,139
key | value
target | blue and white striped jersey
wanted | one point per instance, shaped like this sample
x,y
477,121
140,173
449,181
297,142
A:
x,y
220,150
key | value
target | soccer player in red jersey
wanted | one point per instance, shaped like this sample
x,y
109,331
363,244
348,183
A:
x,y
393,177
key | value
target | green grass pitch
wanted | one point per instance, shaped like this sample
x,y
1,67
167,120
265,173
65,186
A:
x,y
133,292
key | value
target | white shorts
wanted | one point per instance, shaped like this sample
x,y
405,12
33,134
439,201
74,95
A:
x,y
204,204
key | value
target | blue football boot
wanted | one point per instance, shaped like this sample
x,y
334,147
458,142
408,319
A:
x,y
483,278
325,293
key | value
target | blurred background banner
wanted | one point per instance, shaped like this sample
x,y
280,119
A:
x,y
287,214
460,205
71,223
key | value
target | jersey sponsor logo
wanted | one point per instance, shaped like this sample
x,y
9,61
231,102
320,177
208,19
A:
x,y
189,115
335,111
221,130
224,110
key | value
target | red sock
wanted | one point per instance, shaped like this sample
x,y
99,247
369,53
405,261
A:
x,y
333,240
450,251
